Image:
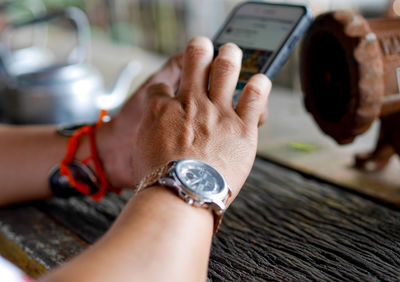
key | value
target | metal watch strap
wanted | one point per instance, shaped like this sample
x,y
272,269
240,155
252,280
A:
x,y
217,221
153,177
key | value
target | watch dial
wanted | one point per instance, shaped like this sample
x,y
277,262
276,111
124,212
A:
x,y
199,177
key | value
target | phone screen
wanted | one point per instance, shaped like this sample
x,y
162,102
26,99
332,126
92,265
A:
x,y
260,30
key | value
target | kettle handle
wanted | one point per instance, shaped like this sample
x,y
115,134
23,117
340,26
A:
x,y
78,55
36,8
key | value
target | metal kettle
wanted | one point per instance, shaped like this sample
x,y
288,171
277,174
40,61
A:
x,y
35,55
69,92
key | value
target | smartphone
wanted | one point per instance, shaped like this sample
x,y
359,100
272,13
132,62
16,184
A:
x,y
266,33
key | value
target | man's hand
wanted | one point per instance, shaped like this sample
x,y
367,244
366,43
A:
x,y
157,126
117,139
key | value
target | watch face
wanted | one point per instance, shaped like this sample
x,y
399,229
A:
x,y
200,178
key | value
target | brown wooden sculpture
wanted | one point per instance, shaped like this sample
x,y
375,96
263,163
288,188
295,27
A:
x,y
348,74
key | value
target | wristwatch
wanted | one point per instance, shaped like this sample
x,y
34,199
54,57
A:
x,y
196,182
61,187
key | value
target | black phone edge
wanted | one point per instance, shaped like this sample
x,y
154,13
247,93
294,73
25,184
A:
x,y
286,49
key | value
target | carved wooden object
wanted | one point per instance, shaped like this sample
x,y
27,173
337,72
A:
x,y
348,74
394,9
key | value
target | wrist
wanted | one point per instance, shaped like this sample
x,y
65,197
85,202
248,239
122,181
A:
x,y
82,155
83,150
194,182
160,201
112,156
101,141
104,148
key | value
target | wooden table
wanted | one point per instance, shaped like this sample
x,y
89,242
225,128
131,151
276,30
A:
x,y
283,226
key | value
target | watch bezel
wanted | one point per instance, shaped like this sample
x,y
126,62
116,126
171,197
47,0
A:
x,y
200,198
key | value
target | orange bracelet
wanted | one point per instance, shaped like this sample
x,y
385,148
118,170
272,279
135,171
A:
x,y
72,148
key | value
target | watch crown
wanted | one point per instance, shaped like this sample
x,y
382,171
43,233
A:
x,y
188,200
186,197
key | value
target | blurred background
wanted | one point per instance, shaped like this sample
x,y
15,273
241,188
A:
x,y
165,26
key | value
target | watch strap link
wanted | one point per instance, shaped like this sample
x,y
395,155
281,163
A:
x,y
153,177
217,221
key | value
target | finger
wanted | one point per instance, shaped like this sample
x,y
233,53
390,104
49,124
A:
x,y
160,90
224,74
197,59
253,99
263,117
169,74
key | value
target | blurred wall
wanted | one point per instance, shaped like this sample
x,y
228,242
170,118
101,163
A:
x,y
165,26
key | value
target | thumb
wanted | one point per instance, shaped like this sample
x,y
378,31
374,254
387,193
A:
x,y
169,74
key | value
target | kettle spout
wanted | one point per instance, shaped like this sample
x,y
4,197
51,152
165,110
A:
x,y
114,99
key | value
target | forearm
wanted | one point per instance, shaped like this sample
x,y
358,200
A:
x,y
28,153
157,237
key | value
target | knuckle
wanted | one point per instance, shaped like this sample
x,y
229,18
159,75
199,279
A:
x,y
158,105
159,89
195,52
189,106
225,65
255,91
155,105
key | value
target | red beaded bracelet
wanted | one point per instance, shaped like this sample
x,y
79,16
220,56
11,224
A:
x,y
72,148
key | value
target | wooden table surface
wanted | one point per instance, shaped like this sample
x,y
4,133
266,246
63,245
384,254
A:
x,y
284,226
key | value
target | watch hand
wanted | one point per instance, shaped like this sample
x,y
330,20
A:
x,y
195,182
